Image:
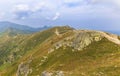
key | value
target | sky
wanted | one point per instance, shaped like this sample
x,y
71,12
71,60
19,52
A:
x,y
82,14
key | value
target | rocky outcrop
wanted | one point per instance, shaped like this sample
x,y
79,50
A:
x,y
56,73
82,38
23,69
79,40
45,73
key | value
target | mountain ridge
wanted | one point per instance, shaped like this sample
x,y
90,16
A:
x,y
20,29
60,51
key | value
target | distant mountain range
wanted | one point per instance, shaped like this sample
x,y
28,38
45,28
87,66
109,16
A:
x,y
115,32
23,29
17,28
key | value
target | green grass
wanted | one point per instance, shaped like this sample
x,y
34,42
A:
x,y
21,45
101,56
106,71
90,58
89,61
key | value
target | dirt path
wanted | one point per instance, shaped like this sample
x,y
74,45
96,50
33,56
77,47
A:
x,y
111,38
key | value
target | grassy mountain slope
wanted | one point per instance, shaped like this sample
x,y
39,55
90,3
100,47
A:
x,y
82,53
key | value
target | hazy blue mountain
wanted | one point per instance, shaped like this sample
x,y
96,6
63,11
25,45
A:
x,y
17,28
113,31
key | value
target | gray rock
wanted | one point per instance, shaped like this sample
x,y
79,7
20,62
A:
x,y
23,69
60,73
45,73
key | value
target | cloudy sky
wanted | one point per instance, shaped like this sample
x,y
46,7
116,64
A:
x,y
88,14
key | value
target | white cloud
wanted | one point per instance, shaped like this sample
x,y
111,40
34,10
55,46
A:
x,y
49,8
72,1
57,15
106,2
38,7
21,7
68,10
2,14
21,11
53,17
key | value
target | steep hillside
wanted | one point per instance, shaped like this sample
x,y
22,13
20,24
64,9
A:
x,y
60,51
14,47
